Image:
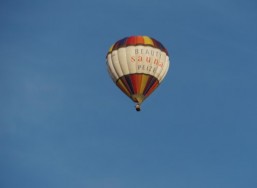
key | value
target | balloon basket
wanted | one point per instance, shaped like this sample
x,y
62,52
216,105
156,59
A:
x,y
138,107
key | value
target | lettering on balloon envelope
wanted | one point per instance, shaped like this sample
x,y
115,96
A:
x,y
147,59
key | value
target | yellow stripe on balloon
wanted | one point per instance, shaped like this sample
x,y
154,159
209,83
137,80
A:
x,y
143,83
110,50
148,40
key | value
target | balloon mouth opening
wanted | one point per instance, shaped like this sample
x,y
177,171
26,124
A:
x,y
138,98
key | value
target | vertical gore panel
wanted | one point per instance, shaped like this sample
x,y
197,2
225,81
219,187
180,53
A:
x,y
136,81
131,41
139,40
126,84
123,87
130,84
122,43
144,81
139,81
115,46
154,86
149,84
148,41
122,57
133,78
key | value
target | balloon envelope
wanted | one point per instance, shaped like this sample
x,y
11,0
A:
x,y
137,65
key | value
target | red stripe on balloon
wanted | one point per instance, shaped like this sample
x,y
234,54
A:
x,y
152,88
136,82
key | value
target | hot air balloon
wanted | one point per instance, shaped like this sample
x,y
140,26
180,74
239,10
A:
x,y
137,65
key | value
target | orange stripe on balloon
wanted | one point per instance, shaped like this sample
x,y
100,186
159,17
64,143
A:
x,y
139,40
134,40
139,81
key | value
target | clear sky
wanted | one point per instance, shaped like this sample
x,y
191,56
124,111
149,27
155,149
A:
x,y
63,123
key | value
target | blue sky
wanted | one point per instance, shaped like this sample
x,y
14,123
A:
x,y
65,124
